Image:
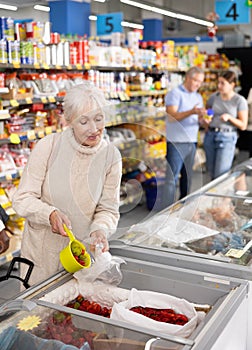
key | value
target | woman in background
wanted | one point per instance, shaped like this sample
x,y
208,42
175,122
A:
x,y
230,112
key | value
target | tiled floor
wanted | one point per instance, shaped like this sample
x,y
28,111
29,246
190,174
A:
x,y
129,216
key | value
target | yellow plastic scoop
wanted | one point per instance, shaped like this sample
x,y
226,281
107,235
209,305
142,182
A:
x,y
74,256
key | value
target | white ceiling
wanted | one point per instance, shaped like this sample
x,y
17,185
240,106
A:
x,y
172,27
24,3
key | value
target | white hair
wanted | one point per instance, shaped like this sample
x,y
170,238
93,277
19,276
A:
x,y
81,99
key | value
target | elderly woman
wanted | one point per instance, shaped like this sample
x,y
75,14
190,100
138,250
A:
x,y
71,178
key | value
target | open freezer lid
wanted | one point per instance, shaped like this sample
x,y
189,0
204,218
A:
x,y
202,226
238,183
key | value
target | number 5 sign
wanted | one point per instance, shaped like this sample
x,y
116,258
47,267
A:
x,y
109,23
232,12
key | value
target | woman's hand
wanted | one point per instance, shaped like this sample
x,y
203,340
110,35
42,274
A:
x,y
225,117
99,238
204,122
57,219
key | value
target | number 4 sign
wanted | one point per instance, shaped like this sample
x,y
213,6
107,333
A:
x,y
232,12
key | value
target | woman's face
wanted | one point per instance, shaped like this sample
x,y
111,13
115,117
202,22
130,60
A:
x,y
88,128
224,86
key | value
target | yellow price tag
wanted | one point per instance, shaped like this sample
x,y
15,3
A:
x,y
69,66
45,66
36,65
14,138
14,103
31,135
41,134
8,257
16,64
51,99
79,66
87,66
44,99
121,96
28,100
8,177
119,119
48,130
58,66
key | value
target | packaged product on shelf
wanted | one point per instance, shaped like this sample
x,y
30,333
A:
x,y
6,160
6,28
13,51
3,51
35,31
26,52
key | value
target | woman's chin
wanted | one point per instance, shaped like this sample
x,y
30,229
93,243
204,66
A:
x,y
91,142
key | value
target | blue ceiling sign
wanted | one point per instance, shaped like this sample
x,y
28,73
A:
x,y
232,12
109,23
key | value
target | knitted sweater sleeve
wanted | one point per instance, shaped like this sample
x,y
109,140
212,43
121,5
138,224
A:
x,y
107,215
27,198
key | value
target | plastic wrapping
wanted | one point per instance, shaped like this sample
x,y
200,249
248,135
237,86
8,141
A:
x,y
13,339
106,268
121,312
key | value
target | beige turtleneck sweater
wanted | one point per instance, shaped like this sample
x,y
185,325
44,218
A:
x,y
82,182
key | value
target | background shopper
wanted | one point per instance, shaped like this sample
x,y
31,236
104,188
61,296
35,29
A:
x,y
230,112
183,105
71,177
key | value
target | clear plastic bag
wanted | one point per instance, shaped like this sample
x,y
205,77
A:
x,y
106,268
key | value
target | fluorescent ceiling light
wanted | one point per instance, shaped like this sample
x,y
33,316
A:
x,y
132,25
8,7
123,23
92,18
168,13
42,8
99,0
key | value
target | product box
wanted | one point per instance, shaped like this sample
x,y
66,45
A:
x,y
14,94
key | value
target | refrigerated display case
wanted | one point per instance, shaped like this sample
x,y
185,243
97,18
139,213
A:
x,y
42,316
237,183
209,231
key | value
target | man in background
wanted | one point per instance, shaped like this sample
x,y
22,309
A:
x,y
184,106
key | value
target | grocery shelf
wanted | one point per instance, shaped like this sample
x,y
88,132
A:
x,y
11,175
12,251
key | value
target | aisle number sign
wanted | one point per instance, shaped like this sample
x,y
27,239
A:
x,y
109,23
232,12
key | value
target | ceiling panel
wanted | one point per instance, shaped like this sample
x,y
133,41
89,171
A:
x,y
24,3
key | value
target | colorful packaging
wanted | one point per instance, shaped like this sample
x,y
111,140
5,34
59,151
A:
x,y
3,51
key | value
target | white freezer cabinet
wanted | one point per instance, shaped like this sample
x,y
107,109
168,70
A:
x,y
204,232
42,313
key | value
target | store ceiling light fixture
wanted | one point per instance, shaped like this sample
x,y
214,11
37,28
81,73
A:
x,y
168,13
123,23
132,25
8,7
42,8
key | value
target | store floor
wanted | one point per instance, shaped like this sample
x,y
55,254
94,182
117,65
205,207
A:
x,y
130,215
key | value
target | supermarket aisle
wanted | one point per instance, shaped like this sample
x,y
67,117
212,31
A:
x,y
129,216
